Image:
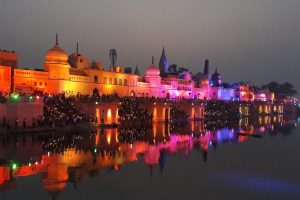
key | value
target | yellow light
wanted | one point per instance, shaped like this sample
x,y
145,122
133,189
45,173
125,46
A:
x,y
109,118
154,113
97,115
108,137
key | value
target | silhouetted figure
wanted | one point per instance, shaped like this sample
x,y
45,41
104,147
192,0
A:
x,y
33,122
16,123
7,125
4,121
24,123
162,160
204,154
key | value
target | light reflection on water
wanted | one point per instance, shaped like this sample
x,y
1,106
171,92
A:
x,y
67,158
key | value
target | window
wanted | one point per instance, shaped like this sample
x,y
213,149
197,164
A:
x,y
41,84
110,80
95,79
125,81
105,80
115,81
120,81
35,83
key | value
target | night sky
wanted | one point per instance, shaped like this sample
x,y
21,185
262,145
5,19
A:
x,y
256,40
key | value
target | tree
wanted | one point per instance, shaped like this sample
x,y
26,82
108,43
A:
x,y
285,89
172,68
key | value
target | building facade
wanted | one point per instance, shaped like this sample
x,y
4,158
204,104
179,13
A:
x,y
75,74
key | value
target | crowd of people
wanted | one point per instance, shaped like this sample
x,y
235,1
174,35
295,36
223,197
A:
x,y
221,110
177,115
133,109
24,123
61,110
134,134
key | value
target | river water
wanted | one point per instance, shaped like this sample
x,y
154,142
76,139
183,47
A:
x,y
249,159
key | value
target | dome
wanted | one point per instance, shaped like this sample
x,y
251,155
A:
x,y
216,79
56,55
152,70
78,61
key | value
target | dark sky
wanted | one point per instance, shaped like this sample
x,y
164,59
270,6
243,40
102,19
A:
x,y
256,40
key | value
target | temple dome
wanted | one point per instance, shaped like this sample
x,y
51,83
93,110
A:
x,y
188,76
78,61
56,55
152,70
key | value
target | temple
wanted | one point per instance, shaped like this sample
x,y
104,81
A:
x,y
74,74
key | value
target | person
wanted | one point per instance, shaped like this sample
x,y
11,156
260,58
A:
x,y
4,121
7,125
16,123
33,122
102,117
24,123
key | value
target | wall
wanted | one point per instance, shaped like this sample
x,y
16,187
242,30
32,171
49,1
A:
x,y
20,111
5,79
106,111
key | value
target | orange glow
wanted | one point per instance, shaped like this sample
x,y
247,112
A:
x,y
193,126
154,113
97,115
97,139
109,116
260,109
193,113
117,136
108,136
164,113
155,125
266,109
116,167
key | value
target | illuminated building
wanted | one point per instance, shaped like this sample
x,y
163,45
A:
x,y
75,74
8,58
216,79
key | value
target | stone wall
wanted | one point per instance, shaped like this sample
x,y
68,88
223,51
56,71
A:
x,y
20,111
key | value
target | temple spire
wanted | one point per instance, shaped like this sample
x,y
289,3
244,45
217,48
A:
x,y
206,67
163,63
152,60
136,71
77,48
56,39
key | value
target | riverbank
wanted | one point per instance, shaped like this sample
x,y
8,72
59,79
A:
x,y
62,129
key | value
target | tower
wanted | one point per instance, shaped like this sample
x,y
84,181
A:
x,y
136,71
113,58
206,67
216,79
163,63
77,48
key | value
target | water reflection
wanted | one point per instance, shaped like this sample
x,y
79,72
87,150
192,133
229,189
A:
x,y
66,157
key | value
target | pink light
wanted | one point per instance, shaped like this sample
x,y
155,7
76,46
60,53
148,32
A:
x,y
262,129
262,95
